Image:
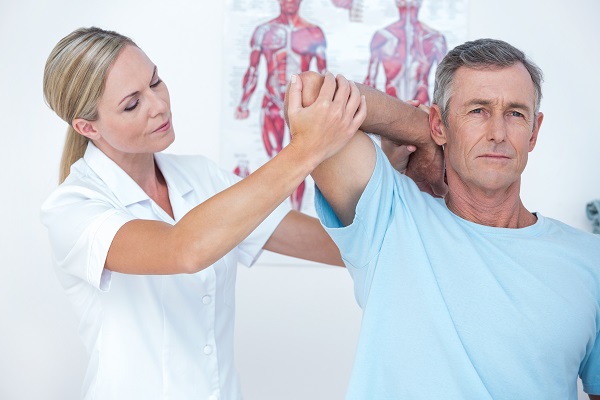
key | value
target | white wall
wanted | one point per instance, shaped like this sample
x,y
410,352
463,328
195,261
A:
x,y
297,326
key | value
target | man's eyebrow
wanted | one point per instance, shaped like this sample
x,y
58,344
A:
x,y
481,102
487,102
520,106
137,91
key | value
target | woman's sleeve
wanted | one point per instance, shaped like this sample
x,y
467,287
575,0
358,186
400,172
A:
x,y
81,225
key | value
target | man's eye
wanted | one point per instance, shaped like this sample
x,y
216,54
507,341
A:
x,y
476,111
516,114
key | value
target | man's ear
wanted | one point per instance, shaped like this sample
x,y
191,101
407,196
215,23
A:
x,y
85,128
438,129
536,128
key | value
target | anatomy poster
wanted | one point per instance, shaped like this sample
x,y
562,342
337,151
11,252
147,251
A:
x,y
393,45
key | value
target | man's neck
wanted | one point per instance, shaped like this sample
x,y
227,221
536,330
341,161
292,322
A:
x,y
502,209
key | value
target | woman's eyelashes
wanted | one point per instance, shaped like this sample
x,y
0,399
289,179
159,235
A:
x,y
132,107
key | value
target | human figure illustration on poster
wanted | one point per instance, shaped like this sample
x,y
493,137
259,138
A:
x,y
242,170
289,44
407,50
354,8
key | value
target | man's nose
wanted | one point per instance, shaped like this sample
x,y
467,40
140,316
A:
x,y
496,129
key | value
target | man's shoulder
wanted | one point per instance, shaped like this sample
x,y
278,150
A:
x,y
570,233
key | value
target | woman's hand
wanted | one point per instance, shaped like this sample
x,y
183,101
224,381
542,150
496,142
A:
x,y
320,128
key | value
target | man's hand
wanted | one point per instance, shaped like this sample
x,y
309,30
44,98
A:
x,y
424,165
399,155
426,168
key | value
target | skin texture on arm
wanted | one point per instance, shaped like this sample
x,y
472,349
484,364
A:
x,y
212,229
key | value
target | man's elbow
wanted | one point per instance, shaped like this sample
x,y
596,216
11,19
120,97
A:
x,y
311,86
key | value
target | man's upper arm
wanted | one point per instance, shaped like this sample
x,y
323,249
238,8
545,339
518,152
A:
x,y
343,177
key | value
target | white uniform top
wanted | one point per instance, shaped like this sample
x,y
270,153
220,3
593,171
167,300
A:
x,y
149,336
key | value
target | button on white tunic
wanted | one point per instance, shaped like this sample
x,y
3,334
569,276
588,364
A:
x,y
149,336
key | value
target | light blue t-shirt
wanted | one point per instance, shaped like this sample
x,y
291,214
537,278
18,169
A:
x,y
457,310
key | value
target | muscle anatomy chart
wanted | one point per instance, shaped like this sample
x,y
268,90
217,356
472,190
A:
x,y
393,45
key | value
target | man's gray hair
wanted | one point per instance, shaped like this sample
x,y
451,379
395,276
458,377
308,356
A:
x,y
481,53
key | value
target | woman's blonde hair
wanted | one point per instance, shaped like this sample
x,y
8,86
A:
x,y
74,81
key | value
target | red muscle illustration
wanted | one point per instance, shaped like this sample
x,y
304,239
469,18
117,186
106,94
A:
x,y
407,50
288,44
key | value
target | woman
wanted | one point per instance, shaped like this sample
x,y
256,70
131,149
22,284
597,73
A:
x,y
146,244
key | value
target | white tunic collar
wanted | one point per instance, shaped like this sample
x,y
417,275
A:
x,y
126,190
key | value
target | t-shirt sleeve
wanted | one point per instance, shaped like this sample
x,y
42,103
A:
x,y
81,226
360,241
590,369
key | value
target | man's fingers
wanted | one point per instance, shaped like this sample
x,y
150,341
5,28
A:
x,y
424,108
440,188
398,155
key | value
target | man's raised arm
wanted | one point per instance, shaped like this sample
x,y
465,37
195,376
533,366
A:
x,y
399,122
403,124
343,176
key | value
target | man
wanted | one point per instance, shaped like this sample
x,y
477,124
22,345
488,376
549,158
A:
x,y
470,296
407,51
289,44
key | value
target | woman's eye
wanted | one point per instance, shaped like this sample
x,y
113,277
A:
x,y
158,82
133,106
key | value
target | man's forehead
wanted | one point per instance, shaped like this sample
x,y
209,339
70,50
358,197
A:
x,y
490,69
491,82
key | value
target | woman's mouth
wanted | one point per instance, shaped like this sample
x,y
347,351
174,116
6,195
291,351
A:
x,y
163,127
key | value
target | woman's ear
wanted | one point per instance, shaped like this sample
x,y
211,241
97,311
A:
x,y
438,129
85,128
